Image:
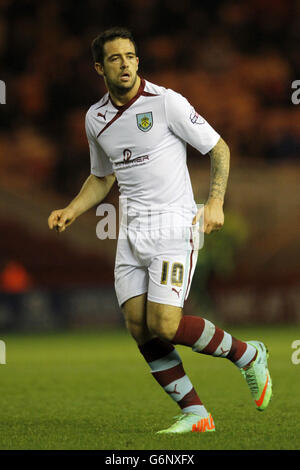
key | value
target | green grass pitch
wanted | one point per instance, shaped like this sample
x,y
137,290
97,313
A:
x,y
88,391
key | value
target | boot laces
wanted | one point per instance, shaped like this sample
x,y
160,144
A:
x,y
250,376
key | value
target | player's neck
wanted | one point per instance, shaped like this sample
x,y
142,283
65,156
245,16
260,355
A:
x,y
121,99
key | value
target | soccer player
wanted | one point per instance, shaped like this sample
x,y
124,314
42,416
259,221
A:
x,y
137,134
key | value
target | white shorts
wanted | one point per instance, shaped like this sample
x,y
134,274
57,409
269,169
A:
x,y
153,262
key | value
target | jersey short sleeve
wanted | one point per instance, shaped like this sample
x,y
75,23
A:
x,y
100,163
187,124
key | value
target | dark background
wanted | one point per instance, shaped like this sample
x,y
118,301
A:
x,y
235,62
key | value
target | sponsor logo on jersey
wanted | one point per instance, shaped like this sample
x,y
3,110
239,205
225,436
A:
x,y
127,162
126,155
195,117
144,121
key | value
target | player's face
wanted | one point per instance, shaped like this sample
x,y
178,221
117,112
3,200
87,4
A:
x,y
120,65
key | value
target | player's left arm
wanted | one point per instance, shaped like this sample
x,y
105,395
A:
x,y
187,124
213,209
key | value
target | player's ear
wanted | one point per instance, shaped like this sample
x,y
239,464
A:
x,y
99,68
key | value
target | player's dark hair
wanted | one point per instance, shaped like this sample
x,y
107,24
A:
x,y
109,35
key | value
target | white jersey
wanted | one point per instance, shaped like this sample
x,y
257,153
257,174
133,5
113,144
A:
x,y
144,143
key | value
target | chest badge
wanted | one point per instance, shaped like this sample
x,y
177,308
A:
x,y
144,121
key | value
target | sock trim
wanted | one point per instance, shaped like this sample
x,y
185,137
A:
x,y
206,336
164,377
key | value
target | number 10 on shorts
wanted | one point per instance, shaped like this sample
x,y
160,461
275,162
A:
x,y
176,274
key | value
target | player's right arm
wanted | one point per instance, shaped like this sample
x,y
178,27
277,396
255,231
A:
x,y
96,186
93,191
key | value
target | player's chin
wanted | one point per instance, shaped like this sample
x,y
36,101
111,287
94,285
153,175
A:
x,y
126,85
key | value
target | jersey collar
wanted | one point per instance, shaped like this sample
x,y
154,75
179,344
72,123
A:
x,y
130,102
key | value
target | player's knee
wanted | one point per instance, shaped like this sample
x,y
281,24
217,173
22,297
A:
x,y
134,311
163,322
136,329
162,330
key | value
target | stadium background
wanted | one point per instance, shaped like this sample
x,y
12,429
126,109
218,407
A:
x,y
235,61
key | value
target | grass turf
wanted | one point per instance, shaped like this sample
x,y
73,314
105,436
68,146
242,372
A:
x,y
83,390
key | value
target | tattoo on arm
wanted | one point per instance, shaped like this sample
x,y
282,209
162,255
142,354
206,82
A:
x,y
219,157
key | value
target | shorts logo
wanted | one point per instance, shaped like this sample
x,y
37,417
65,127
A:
x,y
177,291
144,121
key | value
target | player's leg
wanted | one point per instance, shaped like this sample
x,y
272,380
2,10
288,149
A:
x,y
164,361
249,356
167,368
170,279
135,314
206,338
167,322
131,284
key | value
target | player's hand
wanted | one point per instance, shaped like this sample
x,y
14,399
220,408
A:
x,y
60,219
213,215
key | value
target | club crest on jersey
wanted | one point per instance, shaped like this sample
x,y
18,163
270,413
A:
x,y
144,121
